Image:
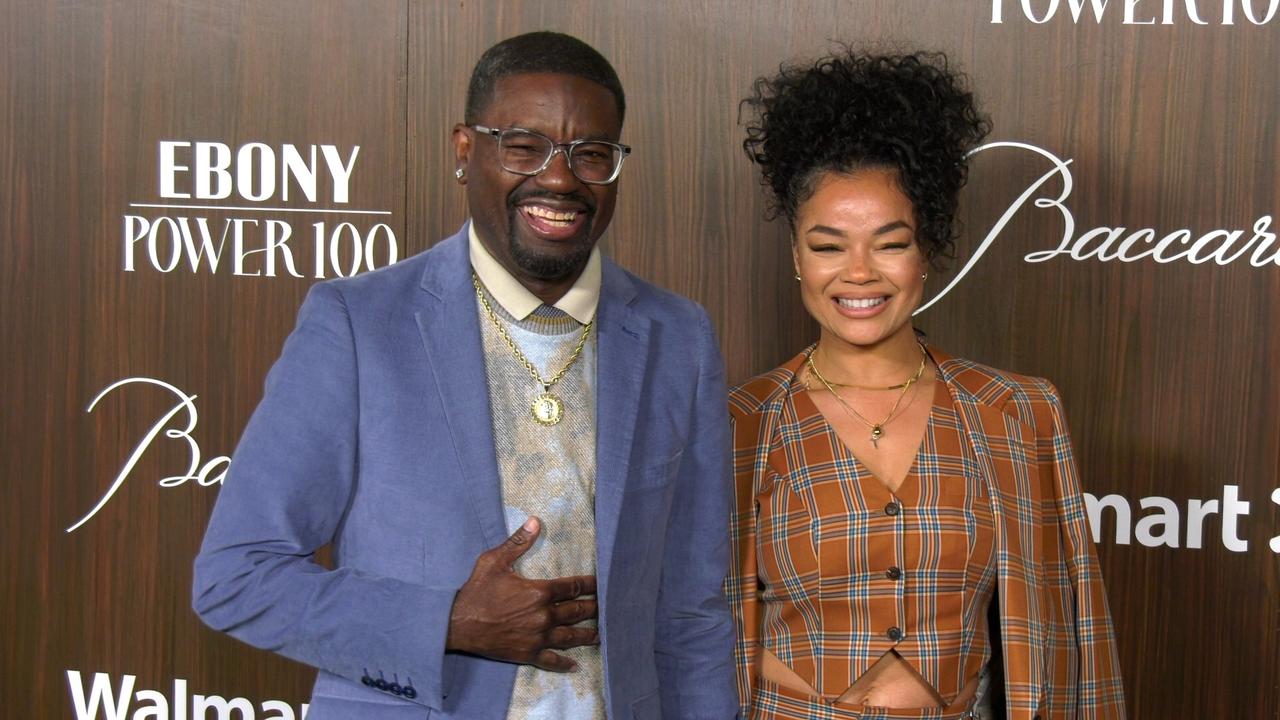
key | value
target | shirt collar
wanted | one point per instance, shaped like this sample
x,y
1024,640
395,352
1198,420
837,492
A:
x,y
578,303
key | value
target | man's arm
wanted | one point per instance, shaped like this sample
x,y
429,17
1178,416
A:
x,y
286,492
694,633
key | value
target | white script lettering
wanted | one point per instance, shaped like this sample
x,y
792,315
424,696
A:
x,y
1107,244
205,474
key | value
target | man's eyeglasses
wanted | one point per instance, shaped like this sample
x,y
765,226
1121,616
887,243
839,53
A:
x,y
525,152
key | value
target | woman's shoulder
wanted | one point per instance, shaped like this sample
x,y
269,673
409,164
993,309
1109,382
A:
x,y
991,385
764,391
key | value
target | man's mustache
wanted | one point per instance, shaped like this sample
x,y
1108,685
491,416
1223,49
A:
x,y
585,200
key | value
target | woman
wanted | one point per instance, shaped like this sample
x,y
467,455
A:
x,y
891,498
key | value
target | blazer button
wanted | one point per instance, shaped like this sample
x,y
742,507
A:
x,y
395,689
894,634
410,692
893,573
366,680
892,508
381,684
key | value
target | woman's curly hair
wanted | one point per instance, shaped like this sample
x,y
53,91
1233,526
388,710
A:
x,y
850,111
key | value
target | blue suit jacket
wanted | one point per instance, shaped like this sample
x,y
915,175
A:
x,y
374,434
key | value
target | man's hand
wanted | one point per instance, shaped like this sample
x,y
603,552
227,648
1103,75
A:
x,y
503,616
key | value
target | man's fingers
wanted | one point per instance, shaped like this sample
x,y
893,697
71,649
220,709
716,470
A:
x,y
569,588
563,638
572,612
554,662
520,541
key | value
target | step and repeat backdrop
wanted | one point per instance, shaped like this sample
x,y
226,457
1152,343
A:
x,y
174,175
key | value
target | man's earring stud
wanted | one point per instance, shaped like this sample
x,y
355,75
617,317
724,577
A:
x,y
459,173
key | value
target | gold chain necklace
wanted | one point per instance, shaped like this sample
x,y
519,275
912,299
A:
x,y
873,388
547,408
877,429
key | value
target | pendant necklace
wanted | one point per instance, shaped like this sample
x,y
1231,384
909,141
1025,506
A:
x,y
877,429
547,408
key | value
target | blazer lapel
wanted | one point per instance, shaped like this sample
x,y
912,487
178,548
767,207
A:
x,y
623,350
450,329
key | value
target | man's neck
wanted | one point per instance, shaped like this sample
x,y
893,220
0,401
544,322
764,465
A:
x,y
548,291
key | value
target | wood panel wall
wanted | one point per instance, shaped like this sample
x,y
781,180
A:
x,y
1167,369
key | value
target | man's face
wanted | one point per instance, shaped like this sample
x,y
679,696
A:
x,y
540,228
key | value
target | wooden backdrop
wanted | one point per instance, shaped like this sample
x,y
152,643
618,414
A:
x,y
1163,114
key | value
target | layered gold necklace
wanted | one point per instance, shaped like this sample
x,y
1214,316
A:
x,y
547,407
877,429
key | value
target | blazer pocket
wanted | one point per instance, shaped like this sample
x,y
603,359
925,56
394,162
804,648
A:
x,y
656,475
647,707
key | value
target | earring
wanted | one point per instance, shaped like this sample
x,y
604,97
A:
x,y
797,277
924,276
459,173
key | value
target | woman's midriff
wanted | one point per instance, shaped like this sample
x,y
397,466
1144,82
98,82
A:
x,y
890,683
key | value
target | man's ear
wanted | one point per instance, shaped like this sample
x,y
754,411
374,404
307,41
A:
x,y
462,138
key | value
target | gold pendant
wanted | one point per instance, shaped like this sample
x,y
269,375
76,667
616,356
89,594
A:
x,y
876,432
547,409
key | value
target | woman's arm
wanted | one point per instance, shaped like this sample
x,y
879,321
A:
x,y
1099,689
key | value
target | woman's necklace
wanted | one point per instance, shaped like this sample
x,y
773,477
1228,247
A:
x,y
877,429
547,408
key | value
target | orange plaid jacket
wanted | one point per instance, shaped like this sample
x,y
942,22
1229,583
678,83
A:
x,y
1060,659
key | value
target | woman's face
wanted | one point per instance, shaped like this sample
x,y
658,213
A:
x,y
861,270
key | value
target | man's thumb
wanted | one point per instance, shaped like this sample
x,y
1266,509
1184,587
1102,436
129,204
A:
x,y
521,540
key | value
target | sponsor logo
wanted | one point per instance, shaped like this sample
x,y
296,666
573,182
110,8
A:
x,y
1139,12
253,183
1255,245
1164,524
177,423
104,700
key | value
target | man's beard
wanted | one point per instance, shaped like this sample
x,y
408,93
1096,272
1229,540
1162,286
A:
x,y
544,266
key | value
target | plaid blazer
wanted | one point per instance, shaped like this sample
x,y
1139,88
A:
x,y
1060,660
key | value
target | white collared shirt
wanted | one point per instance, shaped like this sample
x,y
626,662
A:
x,y
579,302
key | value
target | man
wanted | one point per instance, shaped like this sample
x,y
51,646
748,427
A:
x,y
504,438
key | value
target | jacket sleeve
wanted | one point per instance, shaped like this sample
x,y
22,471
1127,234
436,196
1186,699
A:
x,y
693,628
1098,688
285,495
741,586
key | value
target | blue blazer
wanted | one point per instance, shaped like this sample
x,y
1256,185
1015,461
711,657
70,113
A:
x,y
374,435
